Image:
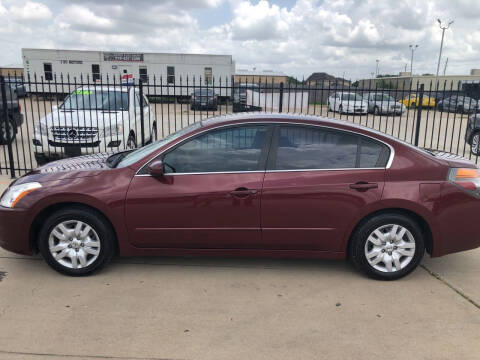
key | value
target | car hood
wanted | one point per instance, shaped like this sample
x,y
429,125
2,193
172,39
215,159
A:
x,y
82,166
84,118
354,103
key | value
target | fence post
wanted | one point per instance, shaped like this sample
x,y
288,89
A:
x,y
4,115
280,101
419,114
142,114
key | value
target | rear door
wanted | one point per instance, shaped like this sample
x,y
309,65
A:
x,y
317,181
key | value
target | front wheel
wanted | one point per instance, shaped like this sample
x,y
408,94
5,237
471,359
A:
x,y
132,141
8,130
387,246
76,241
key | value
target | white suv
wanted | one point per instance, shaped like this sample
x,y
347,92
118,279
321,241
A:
x,y
94,119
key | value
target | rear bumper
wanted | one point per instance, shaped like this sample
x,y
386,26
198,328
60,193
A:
x,y
14,234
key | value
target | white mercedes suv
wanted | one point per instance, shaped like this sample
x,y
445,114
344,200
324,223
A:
x,y
94,119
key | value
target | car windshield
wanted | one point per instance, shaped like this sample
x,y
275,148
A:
x,y
351,97
96,100
203,92
142,152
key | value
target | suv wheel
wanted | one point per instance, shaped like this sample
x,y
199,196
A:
x,y
76,241
131,141
387,246
7,135
376,110
475,147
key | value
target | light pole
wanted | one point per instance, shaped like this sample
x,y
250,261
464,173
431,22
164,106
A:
x,y
376,69
412,49
444,27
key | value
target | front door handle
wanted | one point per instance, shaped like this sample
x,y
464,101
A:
x,y
243,192
362,186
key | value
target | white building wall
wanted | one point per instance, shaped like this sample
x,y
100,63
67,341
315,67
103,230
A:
x,y
75,66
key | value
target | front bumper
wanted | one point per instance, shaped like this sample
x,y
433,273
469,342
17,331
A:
x,y
14,234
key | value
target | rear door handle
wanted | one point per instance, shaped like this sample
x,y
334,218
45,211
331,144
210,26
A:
x,y
362,186
242,192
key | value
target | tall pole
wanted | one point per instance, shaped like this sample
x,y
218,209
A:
x,y
445,68
444,27
376,69
412,49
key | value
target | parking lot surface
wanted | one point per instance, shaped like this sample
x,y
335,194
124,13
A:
x,y
204,308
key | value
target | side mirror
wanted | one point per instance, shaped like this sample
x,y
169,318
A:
x,y
155,168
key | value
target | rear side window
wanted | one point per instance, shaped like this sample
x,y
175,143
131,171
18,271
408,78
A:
x,y
304,147
372,154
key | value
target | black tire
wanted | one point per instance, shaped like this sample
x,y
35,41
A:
x,y
96,221
475,142
376,110
131,141
361,234
7,138
340,109
413,105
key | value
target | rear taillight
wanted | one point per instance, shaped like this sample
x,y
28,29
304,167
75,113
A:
x,y
466,178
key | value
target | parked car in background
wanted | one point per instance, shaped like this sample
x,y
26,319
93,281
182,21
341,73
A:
x,y
240,101
10,123
94,119
381,103
458,103
413,100
347,102
249,185
17,85
204,99
472,133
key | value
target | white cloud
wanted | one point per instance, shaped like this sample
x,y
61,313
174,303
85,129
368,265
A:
x,y
309,35
30,11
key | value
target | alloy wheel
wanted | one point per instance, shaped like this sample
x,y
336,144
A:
x,y
74,244
7,137
476,143
390,248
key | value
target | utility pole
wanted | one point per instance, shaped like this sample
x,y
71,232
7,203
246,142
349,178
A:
x,y
376,69
444,27
445,68
412,49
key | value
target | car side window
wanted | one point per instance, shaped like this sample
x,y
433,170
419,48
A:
x,y
308,147
372,154
303,147
225,150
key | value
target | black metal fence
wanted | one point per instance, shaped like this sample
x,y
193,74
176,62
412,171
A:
x,y
41,120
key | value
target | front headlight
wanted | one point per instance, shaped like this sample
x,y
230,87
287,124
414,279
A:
x,y
40,129
16,192
114,130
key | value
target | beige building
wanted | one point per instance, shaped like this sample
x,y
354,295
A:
x,y
403,81
323,79
260,76
11,70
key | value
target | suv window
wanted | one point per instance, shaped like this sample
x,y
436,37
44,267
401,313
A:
x,y
225,150
304,147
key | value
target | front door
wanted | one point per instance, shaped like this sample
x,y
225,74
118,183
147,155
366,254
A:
x,y
317,181
209,196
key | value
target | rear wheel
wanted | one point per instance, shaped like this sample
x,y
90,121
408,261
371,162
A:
x,y
340,109
131,141
475,147
376,110
76,241
387,246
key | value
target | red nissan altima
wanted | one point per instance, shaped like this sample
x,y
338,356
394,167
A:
x,y
249,185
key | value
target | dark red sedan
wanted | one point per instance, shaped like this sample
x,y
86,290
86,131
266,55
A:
x,y
250,185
